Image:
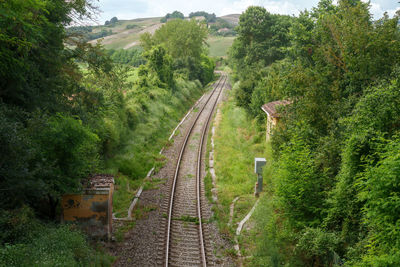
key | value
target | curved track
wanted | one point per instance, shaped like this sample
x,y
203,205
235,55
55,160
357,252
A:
x,y
184,234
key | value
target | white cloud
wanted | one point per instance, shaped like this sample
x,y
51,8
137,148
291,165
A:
x,y
378,10
130,9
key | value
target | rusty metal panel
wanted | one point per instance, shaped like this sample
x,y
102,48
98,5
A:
x,y
92,210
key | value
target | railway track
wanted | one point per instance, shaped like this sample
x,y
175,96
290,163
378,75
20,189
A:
x,y
184,232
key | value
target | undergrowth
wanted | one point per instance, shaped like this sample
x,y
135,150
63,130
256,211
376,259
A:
x,y
42,244
237,143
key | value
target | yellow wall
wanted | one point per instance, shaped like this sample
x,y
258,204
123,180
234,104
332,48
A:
x,y
92,210
271,124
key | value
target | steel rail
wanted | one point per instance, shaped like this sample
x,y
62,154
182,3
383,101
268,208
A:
x,y
198,176
171,201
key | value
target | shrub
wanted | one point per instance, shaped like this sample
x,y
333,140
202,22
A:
x,y
69,148
300,186
52,246
381,193
17,225
317,245
66,152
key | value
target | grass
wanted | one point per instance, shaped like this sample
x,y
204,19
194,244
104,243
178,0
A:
x,y
152,184
237,142
219,45
123,229
125,189
186,218
139,213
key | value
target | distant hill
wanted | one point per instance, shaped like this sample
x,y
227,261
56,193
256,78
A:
x,y
233,18
126,34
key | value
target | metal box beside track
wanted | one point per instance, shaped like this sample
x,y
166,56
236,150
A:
x,y
259,163
92,209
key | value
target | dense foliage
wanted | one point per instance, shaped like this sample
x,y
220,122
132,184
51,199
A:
x,y
30,242
70,111
86,33
336,154
132,57
184,41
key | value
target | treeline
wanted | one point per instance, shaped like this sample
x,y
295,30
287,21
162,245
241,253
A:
x,y
132,57
332,188
174,15
68,112
86,33
207,16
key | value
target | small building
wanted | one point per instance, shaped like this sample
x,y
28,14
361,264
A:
x,y
224,30
273,115
92,209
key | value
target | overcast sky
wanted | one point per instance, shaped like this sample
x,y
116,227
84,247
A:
x,y
131,9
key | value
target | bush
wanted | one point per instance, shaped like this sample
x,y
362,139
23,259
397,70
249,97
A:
x,y
15,157
68,147
17,225
319,246
131,26
132,57
381,193
52,246
207,69
300,187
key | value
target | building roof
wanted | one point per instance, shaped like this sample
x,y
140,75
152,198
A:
x,y
99,181
223,30
270,108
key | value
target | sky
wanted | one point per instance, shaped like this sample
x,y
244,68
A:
x,y
131,9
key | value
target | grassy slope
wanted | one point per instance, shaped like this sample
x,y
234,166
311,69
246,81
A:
x,y
232,18
219,45
126,38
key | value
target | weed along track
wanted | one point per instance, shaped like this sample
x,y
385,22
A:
x,y
184,232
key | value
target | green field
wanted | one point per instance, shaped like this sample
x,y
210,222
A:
x,y
219,45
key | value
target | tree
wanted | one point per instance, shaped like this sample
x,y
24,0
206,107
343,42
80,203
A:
x,y
38,79
261,40
262,36
209,17
185,42
113,20
175,15
161,63
336,154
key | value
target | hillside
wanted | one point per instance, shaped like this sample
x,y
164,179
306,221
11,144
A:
x,y
126,34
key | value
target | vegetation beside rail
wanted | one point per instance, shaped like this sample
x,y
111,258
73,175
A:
x,y
67,111
237,142
332,194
